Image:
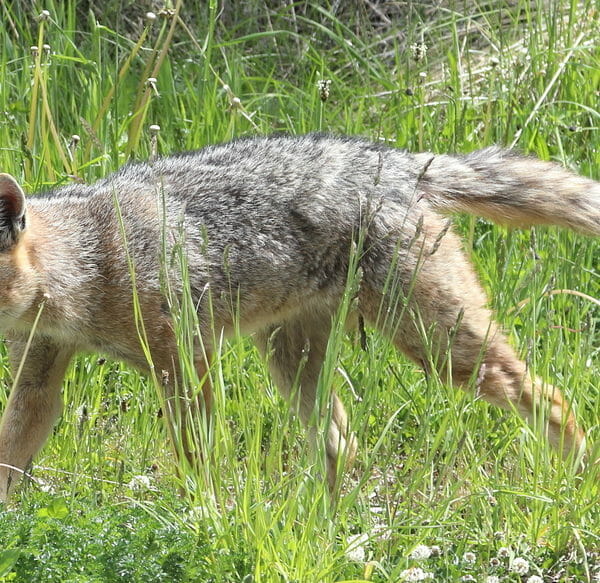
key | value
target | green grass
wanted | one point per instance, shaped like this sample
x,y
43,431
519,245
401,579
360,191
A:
x,y
435,466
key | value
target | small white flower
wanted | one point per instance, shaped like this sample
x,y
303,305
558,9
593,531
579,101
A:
x,y
519,566
139,483
534,579
44,486
323,86
381,532
415,574
82,414
418,50
469,557
492,579
420,552
356,547
503,553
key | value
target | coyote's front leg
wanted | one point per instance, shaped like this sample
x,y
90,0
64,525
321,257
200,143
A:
x,y
33,406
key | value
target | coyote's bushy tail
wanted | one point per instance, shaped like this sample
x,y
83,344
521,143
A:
x,y
510,189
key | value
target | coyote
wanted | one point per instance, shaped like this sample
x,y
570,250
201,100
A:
x,y
270,228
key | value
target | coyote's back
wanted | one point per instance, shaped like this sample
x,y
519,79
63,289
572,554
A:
x,y
267,227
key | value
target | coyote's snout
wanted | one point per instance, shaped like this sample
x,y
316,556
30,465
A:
x,y
267,226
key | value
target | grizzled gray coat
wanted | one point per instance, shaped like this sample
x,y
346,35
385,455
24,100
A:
x,y
266,229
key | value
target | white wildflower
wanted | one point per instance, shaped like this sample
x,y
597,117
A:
x,y
418,50
492,579
356,547
420,552
152,83
534,579
323,86
139,483
519,566
381,532
415,574
469,557
44,486
82,414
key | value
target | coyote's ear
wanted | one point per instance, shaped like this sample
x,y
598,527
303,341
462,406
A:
x,y
12,211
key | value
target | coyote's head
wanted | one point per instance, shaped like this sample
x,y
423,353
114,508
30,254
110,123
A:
x,y
18,281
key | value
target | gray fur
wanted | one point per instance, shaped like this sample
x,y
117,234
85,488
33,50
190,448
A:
x,y
268,225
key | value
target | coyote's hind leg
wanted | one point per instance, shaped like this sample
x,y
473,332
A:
x,y
434,290
295,350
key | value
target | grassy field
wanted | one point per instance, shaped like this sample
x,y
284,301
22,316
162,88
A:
x,y
445,488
